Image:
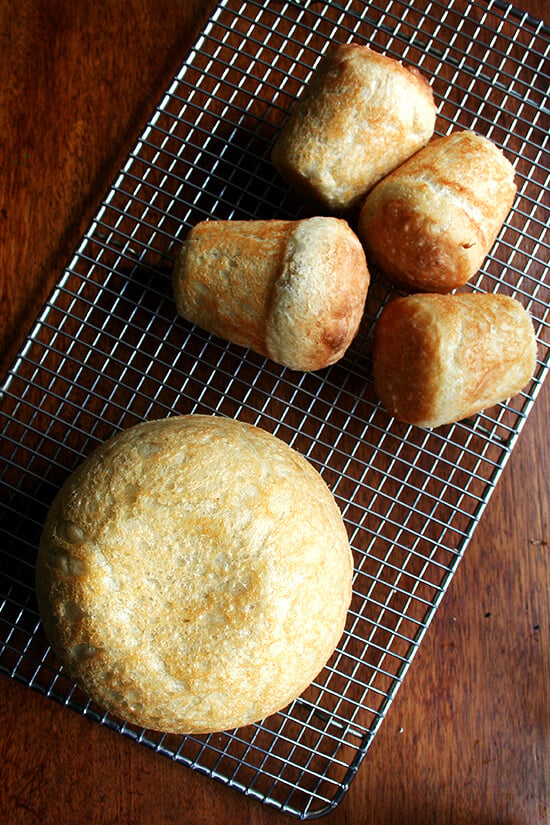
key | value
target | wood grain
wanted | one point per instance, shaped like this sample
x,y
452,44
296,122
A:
x,y
76,87
467,738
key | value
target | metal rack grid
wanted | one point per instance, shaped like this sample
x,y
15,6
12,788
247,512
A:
x,y
108,350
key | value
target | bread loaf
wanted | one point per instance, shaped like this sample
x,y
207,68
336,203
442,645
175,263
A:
x,y
429,225
361,115
194,574
291,290
441,358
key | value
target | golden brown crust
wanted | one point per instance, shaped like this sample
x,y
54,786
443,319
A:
x,y
440,358
429,225
291,290
224,275
194,574
361,115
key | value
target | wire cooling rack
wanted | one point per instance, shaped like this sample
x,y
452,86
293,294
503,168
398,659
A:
x,y
108,350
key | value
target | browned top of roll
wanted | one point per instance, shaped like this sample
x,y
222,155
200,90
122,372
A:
x,y
291,290
361,115
429,225
441,358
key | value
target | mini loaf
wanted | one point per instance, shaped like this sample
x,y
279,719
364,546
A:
x,y
361,115
194,574
429,225
440,358
291,290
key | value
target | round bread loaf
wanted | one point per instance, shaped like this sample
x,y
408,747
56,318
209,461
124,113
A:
x,y
194,574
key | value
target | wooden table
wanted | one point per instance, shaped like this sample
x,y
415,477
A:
x,y
466,740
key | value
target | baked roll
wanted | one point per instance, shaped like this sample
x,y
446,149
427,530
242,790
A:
x,y
194,574
441,358
429,225
361,115
293,291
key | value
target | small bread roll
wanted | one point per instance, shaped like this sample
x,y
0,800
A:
x,y
194,574
361,115
429,225
291,290
441,358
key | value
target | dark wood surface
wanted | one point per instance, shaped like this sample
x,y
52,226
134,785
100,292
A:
x,y
467,738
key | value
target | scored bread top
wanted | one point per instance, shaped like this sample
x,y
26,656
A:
x,y
194,574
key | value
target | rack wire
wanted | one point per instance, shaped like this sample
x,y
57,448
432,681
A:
x,y
108,350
